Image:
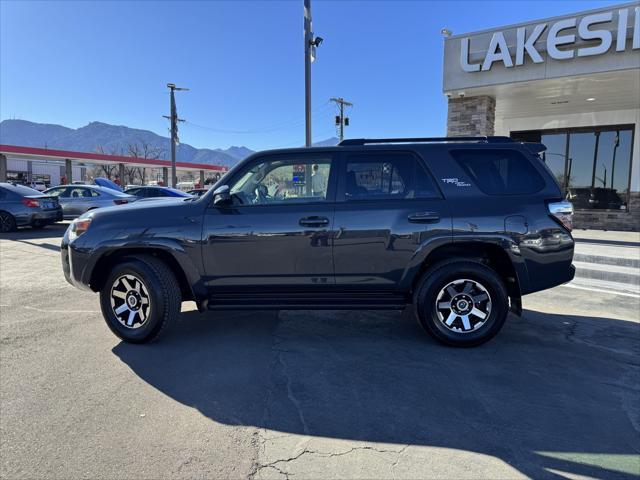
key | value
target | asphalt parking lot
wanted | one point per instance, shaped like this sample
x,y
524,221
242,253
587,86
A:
x,y
298,394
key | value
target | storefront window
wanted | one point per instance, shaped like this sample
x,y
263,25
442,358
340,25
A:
x,y
591,164
555,155
582,147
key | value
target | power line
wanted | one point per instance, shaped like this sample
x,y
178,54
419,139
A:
x,y
283,125
298,143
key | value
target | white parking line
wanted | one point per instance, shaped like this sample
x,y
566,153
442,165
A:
x,y
600,290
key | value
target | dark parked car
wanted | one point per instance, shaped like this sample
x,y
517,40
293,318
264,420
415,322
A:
x,y
458,228
22,206
595,197
156,192
197,192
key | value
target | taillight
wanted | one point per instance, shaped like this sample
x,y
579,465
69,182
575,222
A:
x,y
120,201
31,202
562,212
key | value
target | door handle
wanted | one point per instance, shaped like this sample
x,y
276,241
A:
x,y
314,222
424,217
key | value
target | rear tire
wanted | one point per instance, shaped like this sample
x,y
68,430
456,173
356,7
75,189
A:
x,y
461,303
7,222
140,299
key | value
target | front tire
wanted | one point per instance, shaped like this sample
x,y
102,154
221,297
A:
x,y
140,299
461,303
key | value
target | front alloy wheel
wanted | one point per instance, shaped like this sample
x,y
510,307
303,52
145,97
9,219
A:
x,y
130,301
140,298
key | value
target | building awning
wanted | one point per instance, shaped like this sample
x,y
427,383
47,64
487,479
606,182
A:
x,y
46,154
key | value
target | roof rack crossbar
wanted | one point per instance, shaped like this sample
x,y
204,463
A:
x,y
366,141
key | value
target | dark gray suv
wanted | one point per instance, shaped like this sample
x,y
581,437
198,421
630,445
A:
x,y
457,228
23,206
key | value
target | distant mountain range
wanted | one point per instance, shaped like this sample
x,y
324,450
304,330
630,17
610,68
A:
x,y
117,140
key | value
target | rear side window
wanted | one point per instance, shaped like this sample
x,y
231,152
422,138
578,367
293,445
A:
x,y
21,190
392,175
500,172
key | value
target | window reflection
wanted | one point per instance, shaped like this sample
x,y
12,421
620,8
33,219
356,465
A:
x,y
582,147
596,172
555,155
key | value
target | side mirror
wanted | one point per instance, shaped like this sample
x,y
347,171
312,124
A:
x,y
222,195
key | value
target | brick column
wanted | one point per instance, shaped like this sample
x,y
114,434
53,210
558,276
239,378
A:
x,y
3,168
471,116
121,175
165,176
201,178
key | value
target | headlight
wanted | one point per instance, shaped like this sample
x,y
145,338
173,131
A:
x,y
78,227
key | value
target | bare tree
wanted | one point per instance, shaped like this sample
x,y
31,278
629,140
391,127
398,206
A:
x,y
145,151
105,170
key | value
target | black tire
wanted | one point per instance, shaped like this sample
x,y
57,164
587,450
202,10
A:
x,y
461,274
7,222
158,285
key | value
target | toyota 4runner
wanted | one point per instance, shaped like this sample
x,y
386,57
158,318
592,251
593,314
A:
x,y
459,228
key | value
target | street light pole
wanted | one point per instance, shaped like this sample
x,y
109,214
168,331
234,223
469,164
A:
x,y
308,39
173,117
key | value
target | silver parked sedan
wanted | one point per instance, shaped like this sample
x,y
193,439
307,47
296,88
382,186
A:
x,y
77,199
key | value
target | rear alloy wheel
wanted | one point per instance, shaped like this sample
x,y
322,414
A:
x,y
461,302
463,305
140,299
7,222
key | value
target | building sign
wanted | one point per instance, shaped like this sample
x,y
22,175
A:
x,y
585,43
567,38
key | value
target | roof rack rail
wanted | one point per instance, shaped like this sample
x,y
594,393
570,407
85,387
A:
x,y
366,141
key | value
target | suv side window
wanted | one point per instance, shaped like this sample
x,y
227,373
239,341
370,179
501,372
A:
x,y
500,172
387,175
284,180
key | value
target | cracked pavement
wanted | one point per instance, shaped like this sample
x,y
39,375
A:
x,y
305,395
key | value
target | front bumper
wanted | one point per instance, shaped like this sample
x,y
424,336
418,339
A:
x,y
76,265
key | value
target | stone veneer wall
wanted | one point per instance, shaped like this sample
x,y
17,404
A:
x,y
471,116
623,220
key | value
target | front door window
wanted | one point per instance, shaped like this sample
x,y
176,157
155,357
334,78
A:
x,y
283,181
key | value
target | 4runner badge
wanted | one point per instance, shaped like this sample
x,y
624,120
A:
x,y
456,182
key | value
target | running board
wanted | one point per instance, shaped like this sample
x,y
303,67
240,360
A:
x,y
306,301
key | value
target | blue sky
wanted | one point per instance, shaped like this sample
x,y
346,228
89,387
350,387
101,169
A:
x,y
75,62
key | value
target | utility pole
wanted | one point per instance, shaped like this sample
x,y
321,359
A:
x,y
310,45
174,130
341,120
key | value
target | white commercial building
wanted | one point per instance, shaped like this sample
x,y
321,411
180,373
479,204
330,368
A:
x,y
572,83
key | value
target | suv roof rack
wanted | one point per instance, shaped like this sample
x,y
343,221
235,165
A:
x,y
366,141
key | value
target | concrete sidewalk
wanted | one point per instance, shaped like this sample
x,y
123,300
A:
x,y
606,236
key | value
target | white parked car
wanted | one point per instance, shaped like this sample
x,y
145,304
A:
x,y
40,186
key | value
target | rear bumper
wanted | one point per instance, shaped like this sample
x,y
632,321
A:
x,y
47,216
43,217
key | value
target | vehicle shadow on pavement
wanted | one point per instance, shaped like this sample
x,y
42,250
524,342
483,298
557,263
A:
x,y
27,233
550,393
